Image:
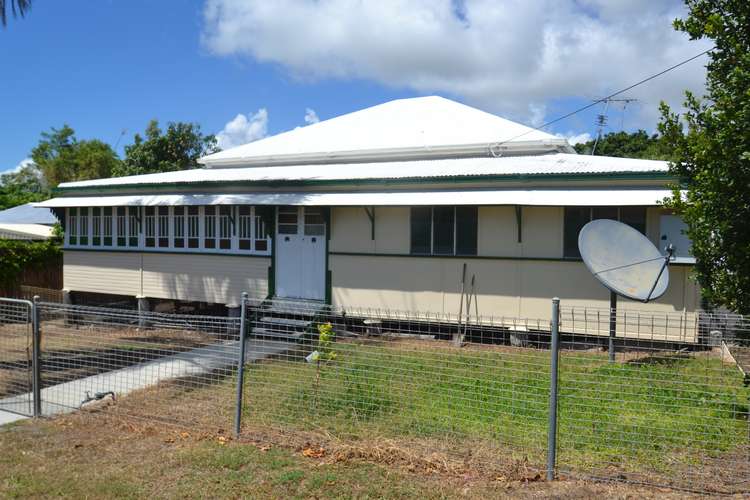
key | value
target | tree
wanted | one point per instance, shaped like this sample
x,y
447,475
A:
x,y
24,186
637,144
711,140
17,8
177,149
63,158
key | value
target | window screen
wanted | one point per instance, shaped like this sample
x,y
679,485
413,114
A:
x,y
150,232
209,227
421,230
121,226
178,226
226,223
443,230
577,217
83,235
466,230
193,222
72,228
634,217
107,226
163,227
96,226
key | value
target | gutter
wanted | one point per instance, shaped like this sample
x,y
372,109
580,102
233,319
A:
x,y
483,149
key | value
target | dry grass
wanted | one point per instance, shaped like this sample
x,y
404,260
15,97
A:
x,y
102,455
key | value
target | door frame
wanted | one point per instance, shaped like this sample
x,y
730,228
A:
x,y
274,269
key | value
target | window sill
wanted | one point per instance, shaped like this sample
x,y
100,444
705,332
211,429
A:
x,y
236,253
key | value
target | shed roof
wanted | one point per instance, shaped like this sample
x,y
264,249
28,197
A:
x,y
555,164
27,214
25,231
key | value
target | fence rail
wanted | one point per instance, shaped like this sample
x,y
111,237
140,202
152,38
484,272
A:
x,y
671,407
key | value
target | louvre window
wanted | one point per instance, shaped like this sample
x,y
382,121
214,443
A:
x,y
444,230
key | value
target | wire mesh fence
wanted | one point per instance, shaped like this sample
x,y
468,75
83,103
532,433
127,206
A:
x,y
16,352
671,408
169,366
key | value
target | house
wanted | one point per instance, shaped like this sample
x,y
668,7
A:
x,y
378,208
26,222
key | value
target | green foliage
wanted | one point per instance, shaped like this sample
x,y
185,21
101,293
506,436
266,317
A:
x,y
326,339
16,255
711,141
177,149
63,158
24,186
637,144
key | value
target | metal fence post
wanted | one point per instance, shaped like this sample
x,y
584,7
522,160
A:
x,y
36,358
552,429
241,365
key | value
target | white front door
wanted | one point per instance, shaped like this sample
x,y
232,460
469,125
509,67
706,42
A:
x,y
300,253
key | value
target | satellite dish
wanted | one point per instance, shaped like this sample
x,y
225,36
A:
x,y
624,260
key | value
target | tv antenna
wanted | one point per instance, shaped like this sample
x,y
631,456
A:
x,y
602,118
626,262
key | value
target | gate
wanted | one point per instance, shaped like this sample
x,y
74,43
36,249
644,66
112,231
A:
x,y
17,354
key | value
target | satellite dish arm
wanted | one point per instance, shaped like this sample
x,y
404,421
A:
x,y
667,258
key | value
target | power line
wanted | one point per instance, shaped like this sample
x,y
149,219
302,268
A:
x,y
607,98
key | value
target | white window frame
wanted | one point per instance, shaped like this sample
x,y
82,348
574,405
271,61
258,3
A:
x,y
133,214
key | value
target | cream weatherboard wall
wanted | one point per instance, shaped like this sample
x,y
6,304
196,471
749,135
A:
x,y
513,279
102,272
205,278
219,279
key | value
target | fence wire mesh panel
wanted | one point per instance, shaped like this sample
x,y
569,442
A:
x,y
173,368
671,409
16,348
403,384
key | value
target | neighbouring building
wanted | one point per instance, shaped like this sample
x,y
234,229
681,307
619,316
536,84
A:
x,y
377,208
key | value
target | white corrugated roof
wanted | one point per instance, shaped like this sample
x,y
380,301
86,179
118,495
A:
x,y
25,231
532,197
415,124
549,164
27,214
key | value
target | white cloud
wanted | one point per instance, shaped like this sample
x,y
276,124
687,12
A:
x,y
311,116
511,57
23,163
243,129
575,138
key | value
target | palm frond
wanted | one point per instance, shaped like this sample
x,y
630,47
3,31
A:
x,y
17,8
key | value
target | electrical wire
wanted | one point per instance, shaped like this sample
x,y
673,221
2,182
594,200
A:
x,y
610,96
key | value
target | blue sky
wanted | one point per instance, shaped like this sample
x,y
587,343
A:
x,y
107,66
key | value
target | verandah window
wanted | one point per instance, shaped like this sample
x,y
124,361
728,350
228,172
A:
x,y
444,230
232,228
577,217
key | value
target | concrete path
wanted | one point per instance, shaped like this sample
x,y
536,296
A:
x,y
67,397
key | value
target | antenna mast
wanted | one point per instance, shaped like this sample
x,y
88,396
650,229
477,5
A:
x,y
601,118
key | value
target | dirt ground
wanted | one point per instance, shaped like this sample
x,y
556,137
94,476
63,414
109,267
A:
x,y
99,455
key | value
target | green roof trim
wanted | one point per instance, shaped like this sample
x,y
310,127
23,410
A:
x,y
459,179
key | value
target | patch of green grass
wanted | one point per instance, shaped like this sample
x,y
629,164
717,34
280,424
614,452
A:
x,y
624,412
